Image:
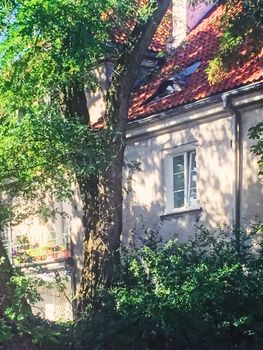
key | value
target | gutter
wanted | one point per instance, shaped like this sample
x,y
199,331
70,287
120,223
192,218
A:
x,y
236,145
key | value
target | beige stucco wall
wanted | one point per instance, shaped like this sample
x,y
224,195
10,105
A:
x,y
144,202
251,209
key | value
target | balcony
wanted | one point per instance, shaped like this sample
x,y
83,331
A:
x,y
26,249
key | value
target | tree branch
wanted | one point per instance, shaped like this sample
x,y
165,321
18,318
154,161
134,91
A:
x,y
127,68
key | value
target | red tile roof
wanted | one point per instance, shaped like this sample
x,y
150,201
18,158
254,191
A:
x,y
163,33
200,45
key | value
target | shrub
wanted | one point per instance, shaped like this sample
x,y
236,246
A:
x,y
202,294
20,329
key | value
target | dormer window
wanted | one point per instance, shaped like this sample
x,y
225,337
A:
x,y
176,83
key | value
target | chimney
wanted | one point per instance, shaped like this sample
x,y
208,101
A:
x,y
186,16
179,21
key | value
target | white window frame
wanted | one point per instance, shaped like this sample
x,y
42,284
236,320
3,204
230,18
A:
x,y
168,156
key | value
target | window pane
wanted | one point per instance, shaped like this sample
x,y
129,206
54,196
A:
x,y
179,199
193,179
178,164
192,185
179,182
193,162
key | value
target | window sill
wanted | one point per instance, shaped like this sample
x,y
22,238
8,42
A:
x,y
180,211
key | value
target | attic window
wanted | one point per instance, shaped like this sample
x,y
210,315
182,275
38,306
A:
x,y
176,83
185,73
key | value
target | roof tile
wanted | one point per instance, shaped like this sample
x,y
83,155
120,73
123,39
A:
x,y
200,45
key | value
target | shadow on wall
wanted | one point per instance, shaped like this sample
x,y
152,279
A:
x,y
96,100
216,172
144,184
252,188
144,201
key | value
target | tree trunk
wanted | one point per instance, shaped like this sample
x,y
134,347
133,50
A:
x,y
103,226
103,200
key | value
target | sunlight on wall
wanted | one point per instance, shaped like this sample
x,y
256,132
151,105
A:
x,y
216,172
144,204
252,189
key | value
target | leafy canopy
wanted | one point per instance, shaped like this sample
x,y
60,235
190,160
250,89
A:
x,y
48,48
38,147
47,45
256,133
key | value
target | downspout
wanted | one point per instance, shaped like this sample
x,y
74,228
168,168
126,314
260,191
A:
x,y
236,128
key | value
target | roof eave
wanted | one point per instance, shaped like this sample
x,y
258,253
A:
x,y
194,107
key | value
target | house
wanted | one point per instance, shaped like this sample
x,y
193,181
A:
x,y
188,159
190,139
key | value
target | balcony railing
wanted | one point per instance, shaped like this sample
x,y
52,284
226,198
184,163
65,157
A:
x,y
22,252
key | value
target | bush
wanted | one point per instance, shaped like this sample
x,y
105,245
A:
x,y
20,329
202,294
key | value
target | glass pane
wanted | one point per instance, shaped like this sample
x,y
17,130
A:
x,y
193,162
179,182
178,164
193,179
179,199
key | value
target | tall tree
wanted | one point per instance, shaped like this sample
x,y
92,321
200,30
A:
x,y
104,224
47,53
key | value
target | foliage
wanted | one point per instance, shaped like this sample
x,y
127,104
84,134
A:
x,y
242,33
48,45
19,323
48,51
241,23
202,294
256,133
41,145
43,156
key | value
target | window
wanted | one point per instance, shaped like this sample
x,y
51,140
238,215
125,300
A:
x,y
181,181
184,180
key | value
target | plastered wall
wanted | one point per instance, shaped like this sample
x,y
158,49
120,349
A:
x,y
144,195
251,208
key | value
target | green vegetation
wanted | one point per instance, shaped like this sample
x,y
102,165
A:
x,y
241,23
203,294
49,52
18,327
256,133
198,295
41,154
